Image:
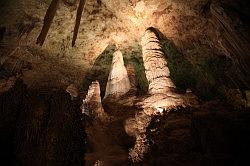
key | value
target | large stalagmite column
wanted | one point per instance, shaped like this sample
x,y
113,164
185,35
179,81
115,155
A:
x,y
163,91
156,69
118,81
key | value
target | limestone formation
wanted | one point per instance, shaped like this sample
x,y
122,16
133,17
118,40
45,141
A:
x,y
92,103
78,20
157,71
118,82
163,93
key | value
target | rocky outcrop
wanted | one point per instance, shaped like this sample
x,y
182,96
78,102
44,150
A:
x,y
118,81
212,135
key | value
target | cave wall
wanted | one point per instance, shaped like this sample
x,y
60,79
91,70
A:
x,y
40,127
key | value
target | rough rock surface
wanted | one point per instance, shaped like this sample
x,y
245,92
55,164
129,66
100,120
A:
x,y
207,47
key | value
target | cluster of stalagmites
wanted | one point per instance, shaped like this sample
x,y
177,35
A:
x,y
162,91
162,94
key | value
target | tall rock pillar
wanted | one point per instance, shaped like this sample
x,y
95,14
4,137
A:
x,y
156,69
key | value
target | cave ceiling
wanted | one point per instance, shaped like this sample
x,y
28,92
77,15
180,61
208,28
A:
x,y
198,28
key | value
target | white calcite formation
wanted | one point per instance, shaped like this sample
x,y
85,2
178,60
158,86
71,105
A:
x,y
156,68
92,104
118,82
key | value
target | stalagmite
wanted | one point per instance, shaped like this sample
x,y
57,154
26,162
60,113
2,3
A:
x,y
156,68
161,88
92,103
73,91
118,81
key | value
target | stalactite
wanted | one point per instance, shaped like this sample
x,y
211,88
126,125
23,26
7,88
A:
x,y
48,21
78,20
118,81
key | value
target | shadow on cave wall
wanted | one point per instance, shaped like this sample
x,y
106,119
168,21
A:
x,y
135,58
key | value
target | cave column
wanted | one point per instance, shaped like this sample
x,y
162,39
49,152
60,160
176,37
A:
x,y
156,69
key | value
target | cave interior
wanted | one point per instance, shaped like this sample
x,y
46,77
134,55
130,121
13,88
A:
x,y
125,82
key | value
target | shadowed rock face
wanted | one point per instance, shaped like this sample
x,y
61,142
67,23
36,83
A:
x,y
118,81
40,127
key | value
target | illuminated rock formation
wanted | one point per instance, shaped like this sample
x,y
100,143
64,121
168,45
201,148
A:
x,y
92,104
118,81
156,68
161,88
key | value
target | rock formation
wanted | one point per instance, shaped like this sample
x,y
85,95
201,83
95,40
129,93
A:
x,y
92,104
39,127
118,81
161,88
156,68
